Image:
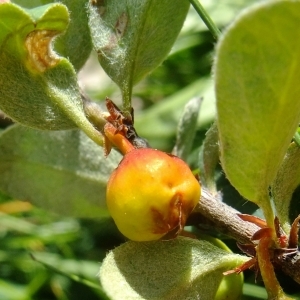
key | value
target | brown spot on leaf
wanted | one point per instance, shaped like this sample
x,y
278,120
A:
x,y
121,25
40,54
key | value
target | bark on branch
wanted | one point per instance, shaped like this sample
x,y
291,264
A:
x,y
212,213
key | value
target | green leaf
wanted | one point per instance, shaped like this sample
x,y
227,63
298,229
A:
x,y
38,88
134,37
76,43
17,224
63,171
25,95
12,291
285,183
176,269
23,92
209,158
76,270
187,128
257,71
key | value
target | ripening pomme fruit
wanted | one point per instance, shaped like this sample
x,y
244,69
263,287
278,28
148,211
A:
x,y
150,194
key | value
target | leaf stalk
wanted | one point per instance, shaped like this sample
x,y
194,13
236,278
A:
x,y
206,18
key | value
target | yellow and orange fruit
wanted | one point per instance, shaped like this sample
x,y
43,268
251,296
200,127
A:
x,y
151,194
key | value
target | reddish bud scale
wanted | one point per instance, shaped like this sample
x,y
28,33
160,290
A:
x,y
151,194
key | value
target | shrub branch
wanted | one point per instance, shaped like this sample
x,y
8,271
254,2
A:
x,y
213,214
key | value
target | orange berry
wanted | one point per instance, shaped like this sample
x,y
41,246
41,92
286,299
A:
x,y
150,194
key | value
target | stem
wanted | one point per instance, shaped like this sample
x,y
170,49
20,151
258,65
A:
x,y
78,117
272,285
90,131
206,19
126,89
265,205
117,139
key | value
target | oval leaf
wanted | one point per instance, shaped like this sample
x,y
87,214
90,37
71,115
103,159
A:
x,y
38,88
257,71
209,158
186,128
63,171
174,269
133,37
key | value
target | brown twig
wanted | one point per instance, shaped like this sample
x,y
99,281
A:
x,y
212,213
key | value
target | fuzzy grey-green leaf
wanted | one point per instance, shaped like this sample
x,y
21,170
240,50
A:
x,y
209,158
186,128
133,37
161,270
257,71
38,88
60,171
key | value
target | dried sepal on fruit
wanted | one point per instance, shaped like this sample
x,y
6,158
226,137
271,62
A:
x,y
151,193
